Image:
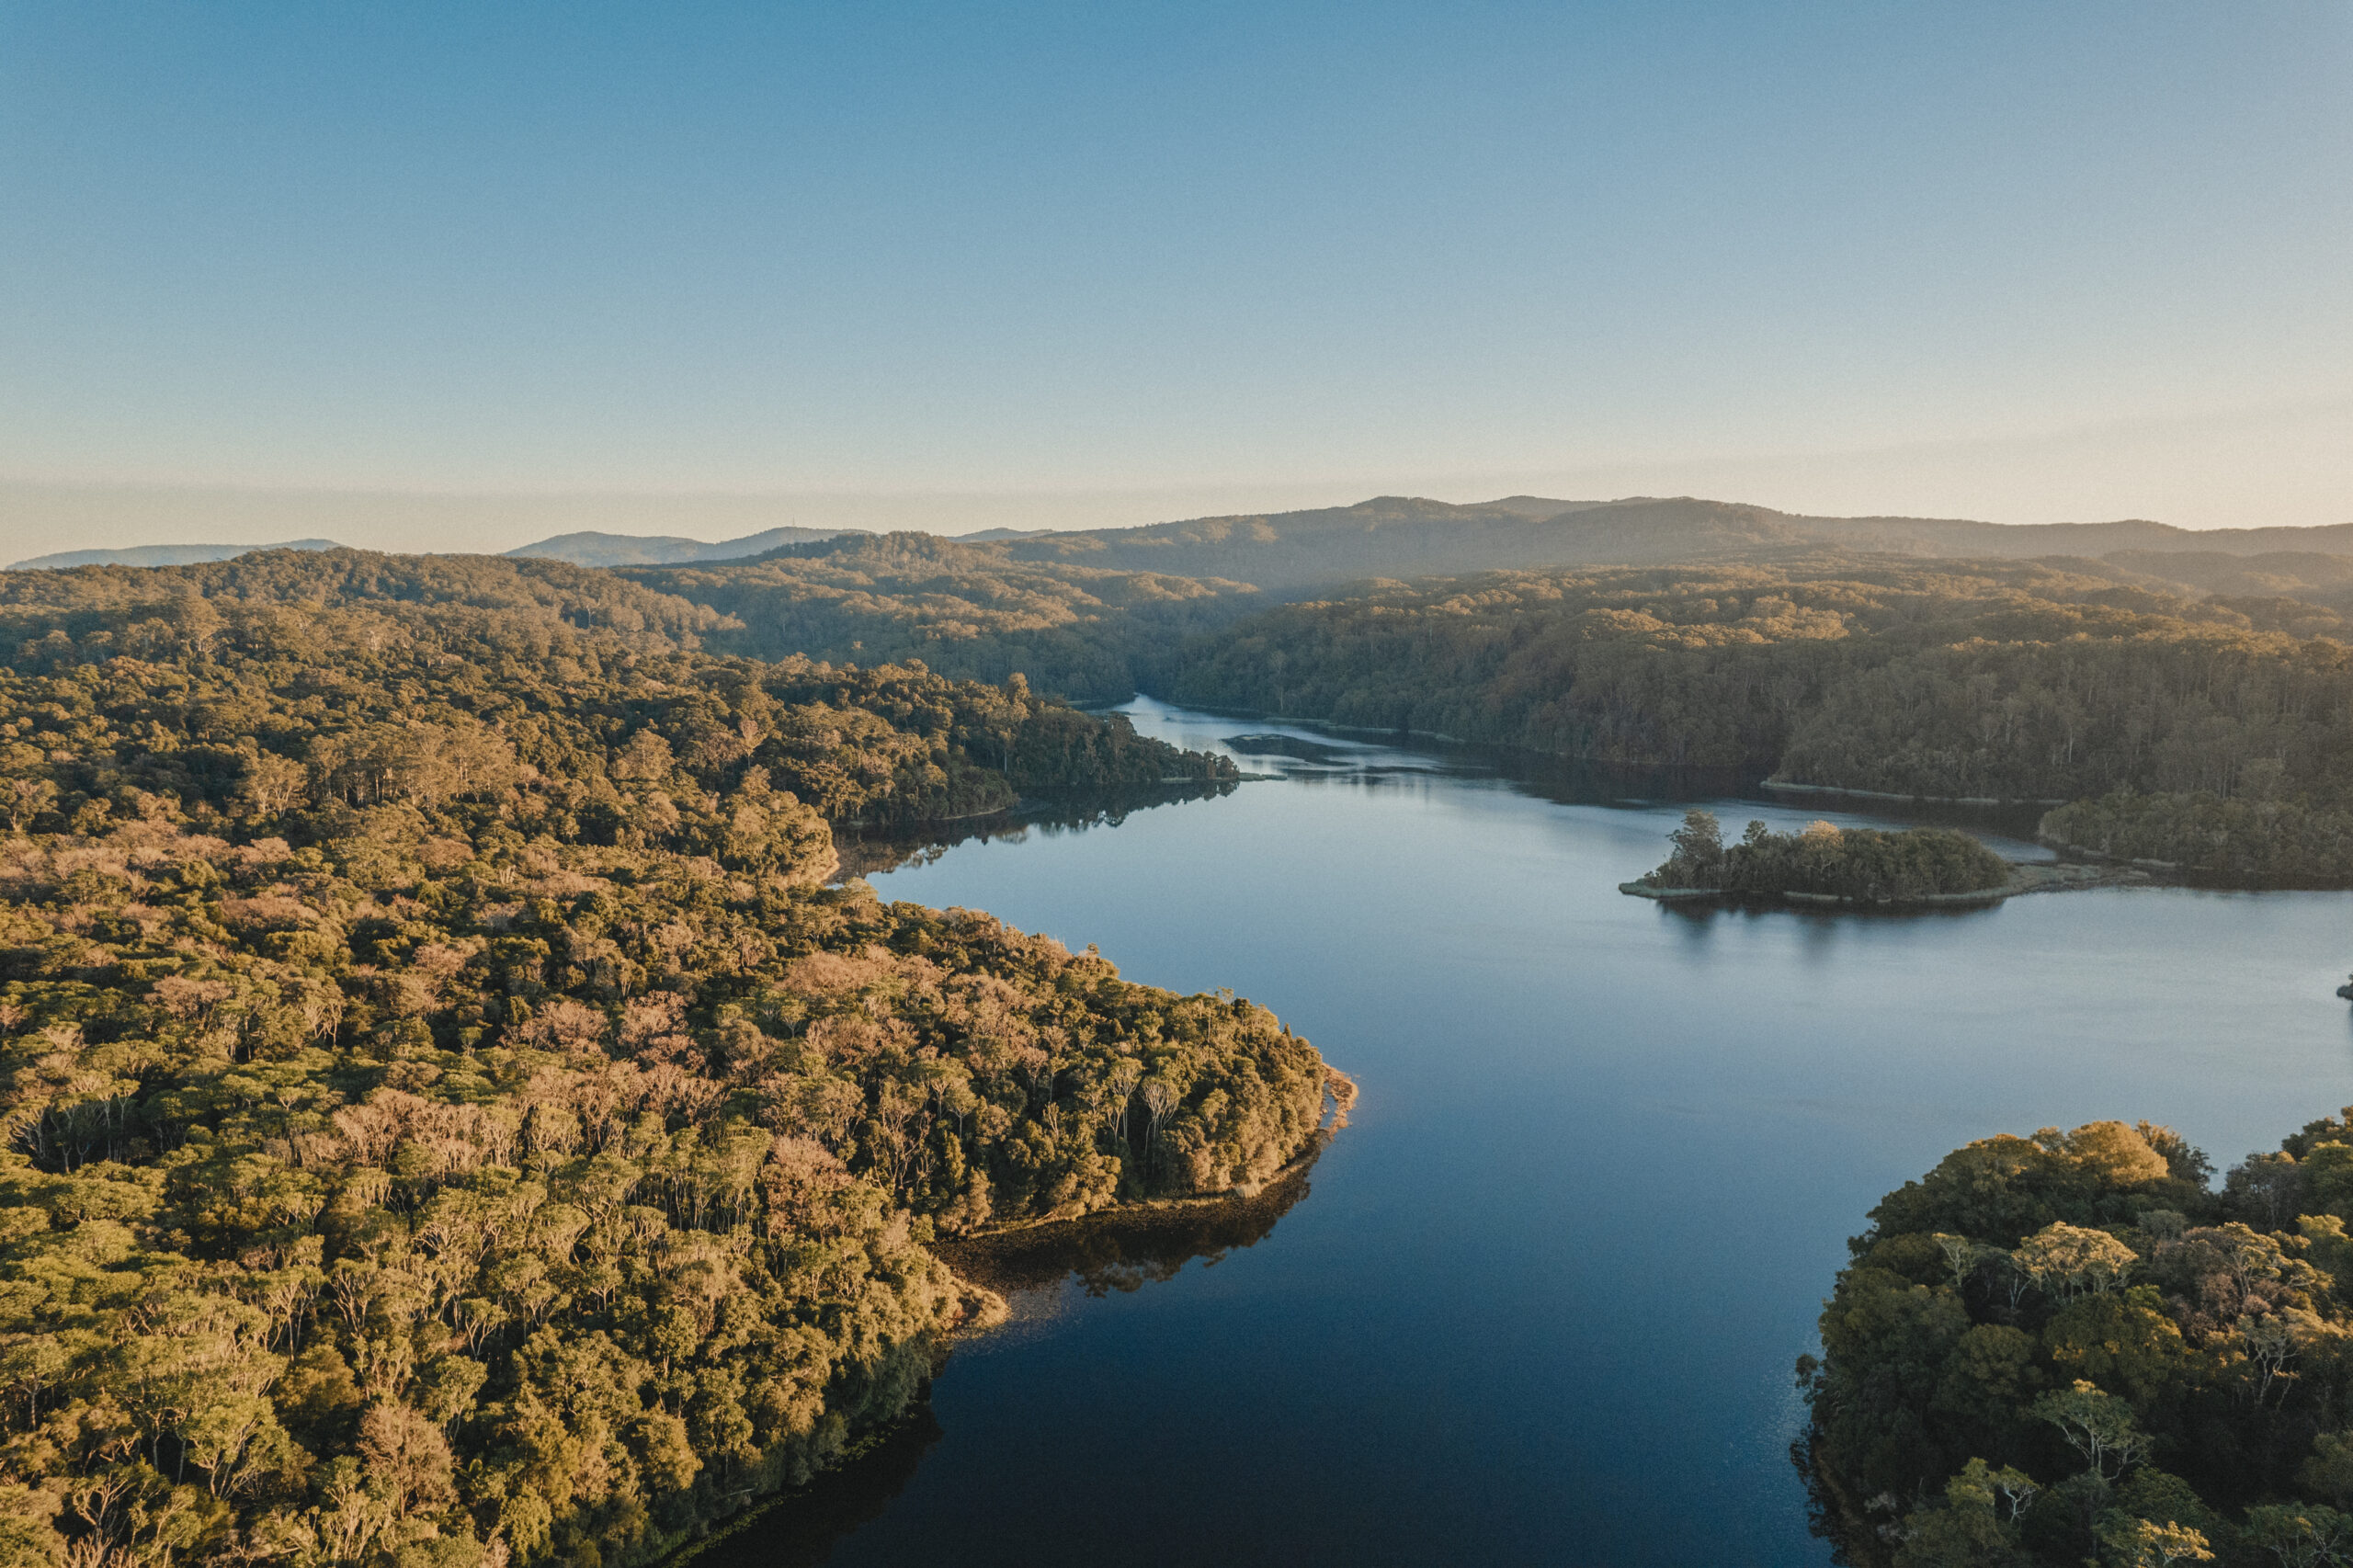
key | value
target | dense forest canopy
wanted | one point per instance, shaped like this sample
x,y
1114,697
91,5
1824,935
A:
x,y
402,672
1092,615
2068,1348
2001,680
2191,708
447,1122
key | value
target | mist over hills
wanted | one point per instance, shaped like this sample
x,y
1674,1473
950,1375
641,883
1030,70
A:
x,y
592,549
160,555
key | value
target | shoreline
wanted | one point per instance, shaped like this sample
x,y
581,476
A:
x,y
1338,1089
983,1306
2025,877
1788,787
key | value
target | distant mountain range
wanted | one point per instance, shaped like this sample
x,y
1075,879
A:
x,y
665,550
1396,535
162,554
1290,553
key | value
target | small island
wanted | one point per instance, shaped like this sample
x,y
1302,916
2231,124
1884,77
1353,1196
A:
x,y
1827,864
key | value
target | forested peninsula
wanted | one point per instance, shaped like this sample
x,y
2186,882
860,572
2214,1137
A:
x,y
449,1123
2068,1348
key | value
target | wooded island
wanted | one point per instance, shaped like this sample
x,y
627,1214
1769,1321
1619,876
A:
x,y
1862,865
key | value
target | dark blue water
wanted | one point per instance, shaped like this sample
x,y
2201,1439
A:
x,y
1540,1302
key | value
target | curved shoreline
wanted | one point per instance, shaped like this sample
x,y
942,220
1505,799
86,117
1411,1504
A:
x,y
1338,1089
983,1308
1789,787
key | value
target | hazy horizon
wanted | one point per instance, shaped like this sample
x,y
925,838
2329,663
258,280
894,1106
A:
x,y
1054,266
2132,471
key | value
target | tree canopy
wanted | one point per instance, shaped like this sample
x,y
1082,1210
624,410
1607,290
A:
x,y
2068,1348
449,1121
1858,864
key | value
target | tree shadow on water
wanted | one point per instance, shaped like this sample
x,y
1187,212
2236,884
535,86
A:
x,y
865,853
1120,1250
1125,1249
801,1529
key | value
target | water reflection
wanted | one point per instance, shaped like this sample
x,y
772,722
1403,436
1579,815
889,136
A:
x,y
1311,750
875,853
1305,756
1034,1270
1124,1250
801,1529
1545,1304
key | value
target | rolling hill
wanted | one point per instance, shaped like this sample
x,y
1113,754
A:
x,y
161,554
1396,535
590,548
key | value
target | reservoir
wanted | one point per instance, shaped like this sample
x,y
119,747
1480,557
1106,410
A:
x,y
1539,1302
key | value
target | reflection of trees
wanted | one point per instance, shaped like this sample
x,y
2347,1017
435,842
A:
x,y
1573,783
801,1528
1127,1248
871,854
1122,1249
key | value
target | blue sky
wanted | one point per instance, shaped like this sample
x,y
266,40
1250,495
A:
x,y
2014,260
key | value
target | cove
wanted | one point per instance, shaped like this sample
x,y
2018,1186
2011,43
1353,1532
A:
x,y
1539,1302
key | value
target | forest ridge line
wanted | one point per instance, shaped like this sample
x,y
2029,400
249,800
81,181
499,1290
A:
x,y
2186,707
1510,531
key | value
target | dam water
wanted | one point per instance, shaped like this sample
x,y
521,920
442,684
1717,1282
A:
x,y
1540,1302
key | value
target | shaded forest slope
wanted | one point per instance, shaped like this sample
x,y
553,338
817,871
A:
x,y
2214,733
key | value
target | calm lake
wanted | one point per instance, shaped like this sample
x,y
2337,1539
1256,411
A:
x,y
1540,1302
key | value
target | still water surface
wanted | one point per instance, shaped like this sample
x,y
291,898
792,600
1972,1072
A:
x,y
1540,1302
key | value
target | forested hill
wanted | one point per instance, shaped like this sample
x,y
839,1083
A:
x,y
1086,631
1393,536
592,549
2214,734
1095,616
100,606
580,680
445,1122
